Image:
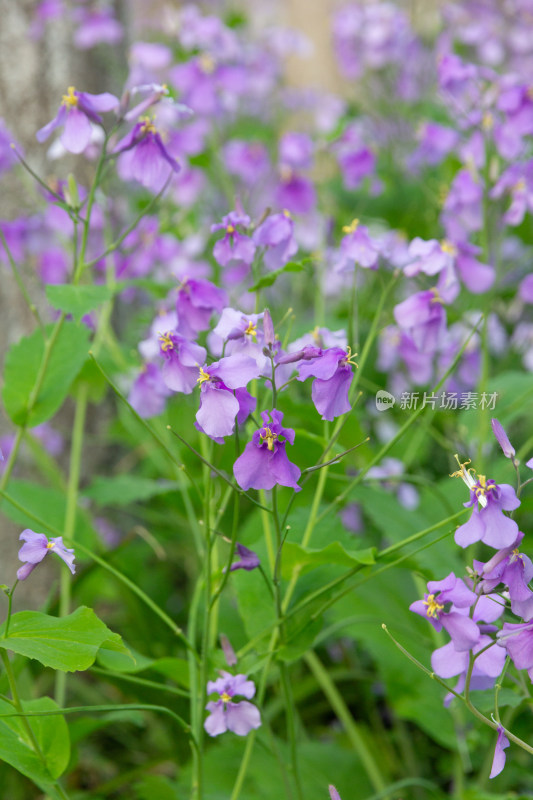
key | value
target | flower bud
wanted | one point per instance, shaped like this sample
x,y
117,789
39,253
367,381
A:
x,y
502,438
268,328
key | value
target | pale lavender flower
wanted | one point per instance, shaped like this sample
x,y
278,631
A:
x,y
225,713
498,762
488,523
36,546
76,112
463,630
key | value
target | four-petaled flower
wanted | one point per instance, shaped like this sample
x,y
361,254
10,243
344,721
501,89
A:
x,y
225,713
36,546
264,462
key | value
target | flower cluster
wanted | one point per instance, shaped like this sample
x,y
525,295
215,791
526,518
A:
x,y
468,609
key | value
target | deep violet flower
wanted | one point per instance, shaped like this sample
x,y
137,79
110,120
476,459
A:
x,y
515,570
36,546
264,462
517,639
248,560
226,714
76,112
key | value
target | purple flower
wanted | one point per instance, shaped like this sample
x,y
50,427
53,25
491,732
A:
x,y
247,160
95,27
241,334
429,257
488,523
515,570
226,714
357,247
195,304
264,462
296,150
295,192
332,370
423,317
498,762
333,793
463,630
36,547
182,360
223,395
447,662
76,112
144,157
248,559
235,246
435,142
149,393
517,639
503,439
276,234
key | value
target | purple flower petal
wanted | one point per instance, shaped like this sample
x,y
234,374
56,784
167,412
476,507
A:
x,y
77,133
242,717
503,439
498,762
36,546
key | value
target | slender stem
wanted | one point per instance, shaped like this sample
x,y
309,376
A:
x,y
122,676
344,716
70,518
9,606
18,705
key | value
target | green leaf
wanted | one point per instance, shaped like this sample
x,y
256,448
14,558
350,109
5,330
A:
x,y
22,366
77,300
67,643
304,559
52,737
156,786
115,659
268,280
122,490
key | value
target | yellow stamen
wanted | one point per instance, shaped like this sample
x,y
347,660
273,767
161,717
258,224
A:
x,y
204,376
350,357
433,607
225,697
50,545
352,227
436,295
488,121
207,63
287,213
251,330
269,437
166,342
147,125
520,186
230,229
70,99
448,247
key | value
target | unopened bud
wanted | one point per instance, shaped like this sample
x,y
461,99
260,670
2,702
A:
x,y
268,328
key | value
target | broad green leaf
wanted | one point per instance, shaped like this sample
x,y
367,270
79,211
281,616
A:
x,y
68,643
46,504
117,660
77,300
22,366
152,786
271,277
122,490
52,737
296,557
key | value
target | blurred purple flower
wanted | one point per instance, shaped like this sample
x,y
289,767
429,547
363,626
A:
x,y
248,559
76,112
276,234
502,438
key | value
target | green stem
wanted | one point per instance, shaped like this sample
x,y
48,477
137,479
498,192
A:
x,y
344,716
9,606
122,676
70,518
